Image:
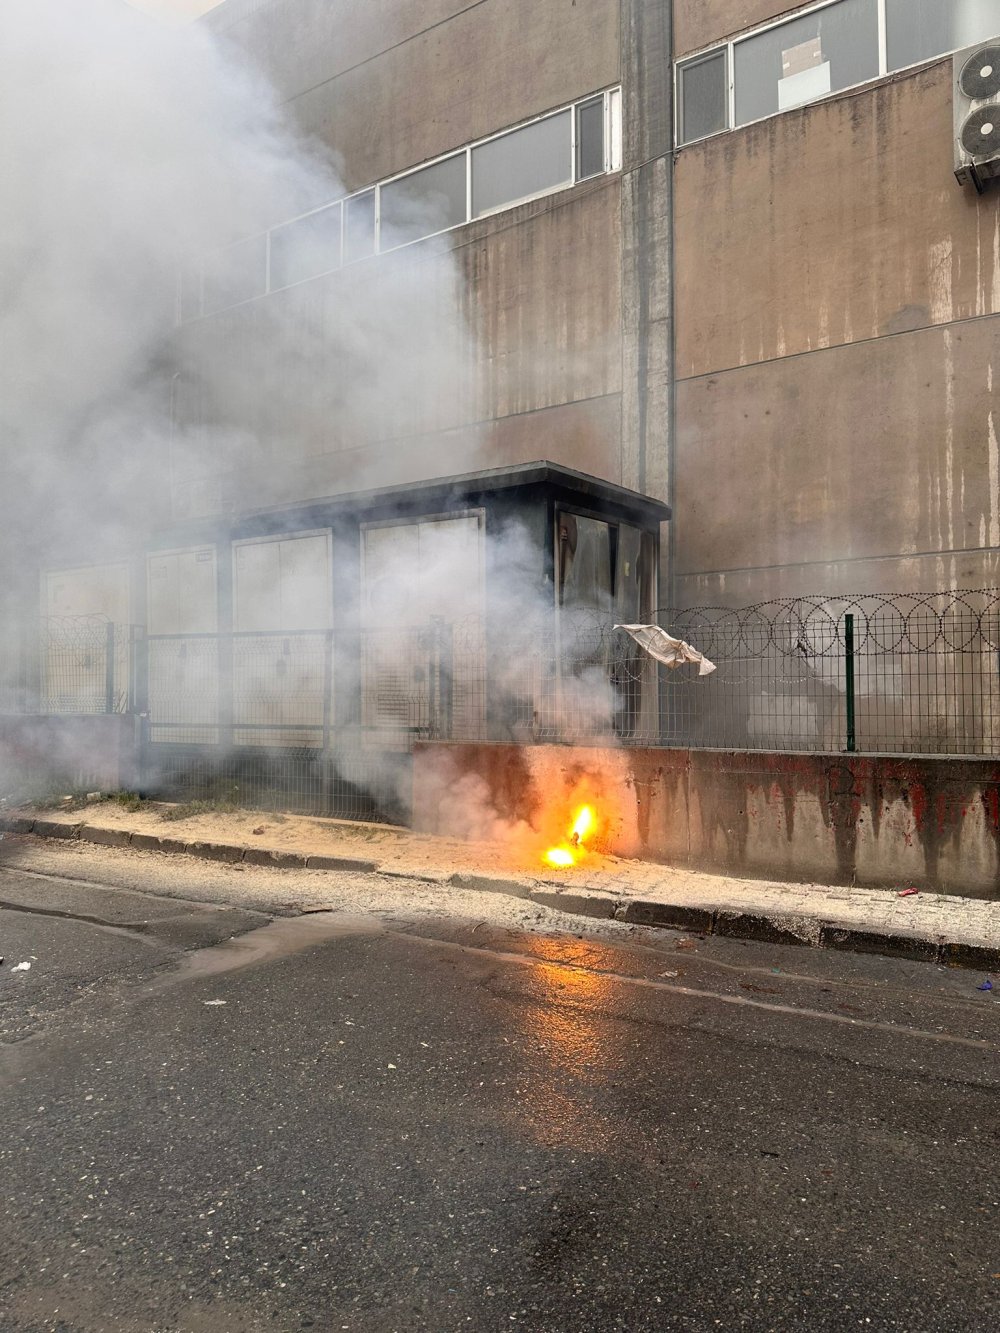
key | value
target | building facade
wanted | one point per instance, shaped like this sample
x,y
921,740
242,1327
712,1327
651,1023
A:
x,y
759,293
837,341
710,254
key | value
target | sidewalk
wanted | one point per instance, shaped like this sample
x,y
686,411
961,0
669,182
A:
x,y
960,932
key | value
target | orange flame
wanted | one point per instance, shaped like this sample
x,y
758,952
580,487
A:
x,y
568,853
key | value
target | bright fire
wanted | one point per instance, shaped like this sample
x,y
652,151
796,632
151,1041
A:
x,y
569,852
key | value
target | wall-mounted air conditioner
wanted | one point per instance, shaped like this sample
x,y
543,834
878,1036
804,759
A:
x,y
977,114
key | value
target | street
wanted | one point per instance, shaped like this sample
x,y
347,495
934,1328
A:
x,y
375,1120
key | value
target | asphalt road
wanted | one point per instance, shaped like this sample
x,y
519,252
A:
x,y
352,1124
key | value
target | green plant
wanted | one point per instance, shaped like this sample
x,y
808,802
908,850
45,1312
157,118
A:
x,y
128,800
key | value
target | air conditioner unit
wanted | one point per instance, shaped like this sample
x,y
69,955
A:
x,y
977,114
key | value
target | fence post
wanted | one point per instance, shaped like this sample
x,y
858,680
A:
x,y
327,686
109,667
849,681
434,701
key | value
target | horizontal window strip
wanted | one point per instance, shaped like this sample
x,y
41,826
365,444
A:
x,y
820,50
549,153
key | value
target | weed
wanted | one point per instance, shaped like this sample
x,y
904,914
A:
x,y
188,809
128,800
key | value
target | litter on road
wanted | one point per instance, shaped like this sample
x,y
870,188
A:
x,y
21,967
987,985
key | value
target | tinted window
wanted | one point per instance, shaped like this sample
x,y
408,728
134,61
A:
x,y
423,203
523,163
590,139
922,29
703,97
305,248
797,62
359,226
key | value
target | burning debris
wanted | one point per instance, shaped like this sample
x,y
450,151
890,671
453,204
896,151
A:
x,y
568,853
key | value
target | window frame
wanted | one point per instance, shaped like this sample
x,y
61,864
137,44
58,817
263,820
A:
x,y
726,48
269,285
612,98
537,194
730,44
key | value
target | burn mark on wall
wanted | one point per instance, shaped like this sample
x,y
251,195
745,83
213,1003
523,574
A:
x,y
745,813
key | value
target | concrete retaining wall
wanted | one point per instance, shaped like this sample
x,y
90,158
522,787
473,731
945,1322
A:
x,y
872,820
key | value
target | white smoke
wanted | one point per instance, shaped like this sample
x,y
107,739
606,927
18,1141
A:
x,y
128,151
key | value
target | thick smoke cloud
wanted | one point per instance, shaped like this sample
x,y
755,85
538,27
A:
x,y
128,150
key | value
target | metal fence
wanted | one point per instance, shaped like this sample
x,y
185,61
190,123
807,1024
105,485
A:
x,y
321,722
900,674
325,721
77,665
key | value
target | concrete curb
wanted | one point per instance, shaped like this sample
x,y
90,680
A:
x,y
764,927
761,926
227,853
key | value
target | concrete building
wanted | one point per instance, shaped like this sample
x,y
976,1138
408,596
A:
x,y
775,308
543,134
837,343
711,254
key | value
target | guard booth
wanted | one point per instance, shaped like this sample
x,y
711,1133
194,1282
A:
x,y
295,656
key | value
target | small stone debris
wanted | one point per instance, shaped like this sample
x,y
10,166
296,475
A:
x,y
259,830
669,974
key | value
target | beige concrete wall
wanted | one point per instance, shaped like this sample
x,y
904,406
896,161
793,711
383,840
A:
x,y
870,458
390,83
838,352
526,364
866,821
699,23
554,342
835,223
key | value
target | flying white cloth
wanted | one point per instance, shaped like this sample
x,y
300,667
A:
x,y
666,649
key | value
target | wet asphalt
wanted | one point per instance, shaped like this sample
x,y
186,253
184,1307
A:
x,y
351,1124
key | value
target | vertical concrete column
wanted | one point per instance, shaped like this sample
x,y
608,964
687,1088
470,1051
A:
x,y
646,246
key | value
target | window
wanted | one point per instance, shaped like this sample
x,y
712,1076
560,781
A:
x,y
809,57
575,143
359,227
919,30
424,202
830,47
590,155
704,93
523,163
422,640
305,248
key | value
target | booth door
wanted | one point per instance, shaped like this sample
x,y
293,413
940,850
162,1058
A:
x,y
183,646
423,649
